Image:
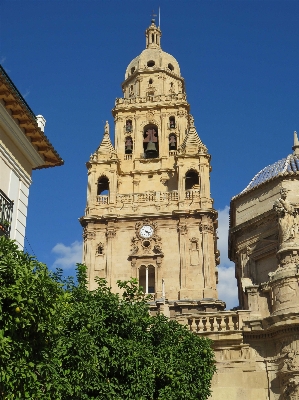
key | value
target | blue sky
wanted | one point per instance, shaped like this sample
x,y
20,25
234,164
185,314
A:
x,y
68,58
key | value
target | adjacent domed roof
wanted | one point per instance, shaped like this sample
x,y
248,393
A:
x,y
153,56
286,165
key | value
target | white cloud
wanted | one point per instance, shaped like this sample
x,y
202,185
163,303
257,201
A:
x,y
67,256
227,287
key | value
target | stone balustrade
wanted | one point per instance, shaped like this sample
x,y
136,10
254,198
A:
x,y
150,197
103,199
217,322
154,98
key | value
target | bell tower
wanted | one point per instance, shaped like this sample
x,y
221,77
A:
x,y
149,212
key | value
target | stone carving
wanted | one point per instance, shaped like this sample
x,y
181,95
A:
x,y
288,220
290,376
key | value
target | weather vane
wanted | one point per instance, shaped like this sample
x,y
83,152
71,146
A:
x,y
153,15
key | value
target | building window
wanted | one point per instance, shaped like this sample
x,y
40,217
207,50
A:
x,y
128,125
172,142
103,186
151,141
191,180
128,145
151,63
170,66
172,122
150,81
132,70
147,279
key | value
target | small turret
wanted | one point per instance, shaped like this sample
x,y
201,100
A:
x,y
153,36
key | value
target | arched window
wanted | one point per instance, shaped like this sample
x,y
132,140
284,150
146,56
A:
x,y
128,125
191,179
172,142
103,186
150,81
147,279
128,145
151,141
172,122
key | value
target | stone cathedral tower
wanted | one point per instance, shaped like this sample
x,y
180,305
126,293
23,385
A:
x,y
149,212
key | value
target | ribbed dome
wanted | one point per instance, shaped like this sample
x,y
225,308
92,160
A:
x,y
290,164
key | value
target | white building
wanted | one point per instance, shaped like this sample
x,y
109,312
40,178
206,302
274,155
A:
x,y
23,147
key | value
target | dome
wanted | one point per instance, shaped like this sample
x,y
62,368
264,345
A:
x,y
287,165
153,57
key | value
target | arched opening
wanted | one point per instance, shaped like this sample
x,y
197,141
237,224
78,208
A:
x,y
128,145
150,81
172,122
170,66
151,141
128,125
132,70
191,180
172,142
103,186
147,279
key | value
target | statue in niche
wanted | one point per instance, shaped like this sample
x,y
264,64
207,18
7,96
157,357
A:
x,y
288,219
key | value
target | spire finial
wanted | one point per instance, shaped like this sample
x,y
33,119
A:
x,y
107,128
296,144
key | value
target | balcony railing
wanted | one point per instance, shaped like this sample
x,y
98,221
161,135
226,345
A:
x,y
6,209
151,197
214,323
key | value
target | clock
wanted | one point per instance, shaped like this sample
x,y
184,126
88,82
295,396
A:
x,y
146,231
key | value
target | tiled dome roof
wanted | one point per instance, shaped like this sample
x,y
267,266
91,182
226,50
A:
x,y
288,164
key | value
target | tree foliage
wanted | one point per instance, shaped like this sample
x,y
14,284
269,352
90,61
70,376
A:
x,y
60,341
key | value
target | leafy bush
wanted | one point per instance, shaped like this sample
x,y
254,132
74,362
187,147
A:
x,y
60,341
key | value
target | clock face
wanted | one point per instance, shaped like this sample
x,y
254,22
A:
x,y
146,231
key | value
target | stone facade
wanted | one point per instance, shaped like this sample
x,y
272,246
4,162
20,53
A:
x,y
150,215
149,212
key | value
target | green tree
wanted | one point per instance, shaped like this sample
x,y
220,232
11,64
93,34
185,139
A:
x,y
71,343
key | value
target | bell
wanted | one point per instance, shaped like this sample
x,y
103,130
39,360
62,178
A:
x,y
150,147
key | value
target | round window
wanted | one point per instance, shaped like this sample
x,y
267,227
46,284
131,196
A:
x,y
150,63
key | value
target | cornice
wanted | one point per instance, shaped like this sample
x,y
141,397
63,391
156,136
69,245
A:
x,y
18,111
